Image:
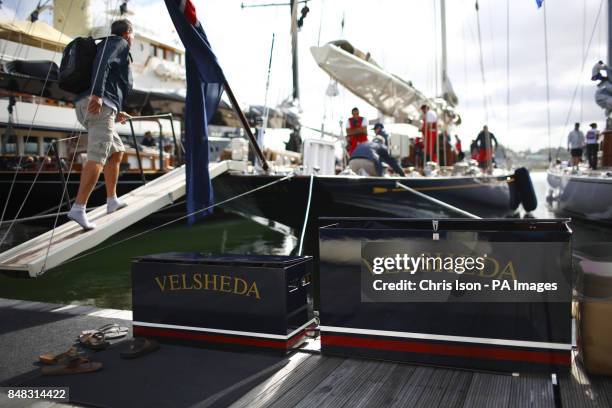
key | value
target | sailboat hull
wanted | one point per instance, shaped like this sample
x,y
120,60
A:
x,y
587,197
343,196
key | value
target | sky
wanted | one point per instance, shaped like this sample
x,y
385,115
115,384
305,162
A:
x,y
403,36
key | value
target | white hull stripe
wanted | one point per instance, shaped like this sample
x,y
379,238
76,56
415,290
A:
x,y
439,337
230,332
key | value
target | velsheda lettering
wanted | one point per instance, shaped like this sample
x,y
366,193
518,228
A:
x,y
207,281
174,282
197,281
253,289
225,284
210,282
242,284
161,283
185,287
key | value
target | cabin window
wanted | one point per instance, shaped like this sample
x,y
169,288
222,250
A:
x,y
10,145
31,147
47,144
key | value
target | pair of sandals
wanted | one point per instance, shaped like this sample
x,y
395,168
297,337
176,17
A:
x,y
68,362
97,339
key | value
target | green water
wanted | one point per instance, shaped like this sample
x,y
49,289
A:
x,y
102,278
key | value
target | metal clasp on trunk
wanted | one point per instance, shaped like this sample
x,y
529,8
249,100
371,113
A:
x,y
436,235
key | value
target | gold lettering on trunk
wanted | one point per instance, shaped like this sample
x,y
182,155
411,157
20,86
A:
x,y
207,282
240,286
225,284
160,283
185,283
197,281
174,282
255,290
508,272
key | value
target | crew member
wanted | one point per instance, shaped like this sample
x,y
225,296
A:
x,y
379,130
592,145
98,110
484,142
430,132
369,156
575,144
458,149
148,140
357,130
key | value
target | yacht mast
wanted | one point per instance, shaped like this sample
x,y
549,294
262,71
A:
x,y
444,62
294,52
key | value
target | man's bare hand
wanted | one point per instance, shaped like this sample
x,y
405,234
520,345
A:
x,y
122,117
95,105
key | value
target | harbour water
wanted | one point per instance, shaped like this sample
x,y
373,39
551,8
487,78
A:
x,y
102,278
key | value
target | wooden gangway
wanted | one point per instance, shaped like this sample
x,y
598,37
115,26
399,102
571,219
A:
x,y
34,257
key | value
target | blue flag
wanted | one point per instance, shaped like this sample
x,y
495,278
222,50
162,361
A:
x,y
205,81
539,3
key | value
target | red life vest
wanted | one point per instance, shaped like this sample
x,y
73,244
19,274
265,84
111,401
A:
x,y
356,138
356,124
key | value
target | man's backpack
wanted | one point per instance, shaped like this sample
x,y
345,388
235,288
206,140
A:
x,y
77,65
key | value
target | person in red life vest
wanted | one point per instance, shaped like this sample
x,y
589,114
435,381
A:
x,y
357,131
430,132
485,141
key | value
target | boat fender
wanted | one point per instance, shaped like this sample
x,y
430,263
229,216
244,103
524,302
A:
x,y
525,190
515,198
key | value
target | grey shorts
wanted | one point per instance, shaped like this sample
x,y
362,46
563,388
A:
x,y
102,138
357,165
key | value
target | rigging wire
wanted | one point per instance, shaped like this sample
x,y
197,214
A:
x,y
306,215
507,67
26,141
583,58
544,7
586,54
183,217
482,68
435,48
65,187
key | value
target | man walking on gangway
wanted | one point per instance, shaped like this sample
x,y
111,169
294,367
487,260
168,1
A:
x,y
98,110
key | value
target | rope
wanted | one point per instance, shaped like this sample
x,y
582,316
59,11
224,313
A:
x,y
569,112
544,7
435,48
65,187
287,177
436,201
306,216
583,57
29,134
482,68
507,67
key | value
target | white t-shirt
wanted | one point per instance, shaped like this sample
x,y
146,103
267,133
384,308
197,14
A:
x,y
431,117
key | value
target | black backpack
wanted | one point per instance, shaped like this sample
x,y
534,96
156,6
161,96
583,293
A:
x,y
77,65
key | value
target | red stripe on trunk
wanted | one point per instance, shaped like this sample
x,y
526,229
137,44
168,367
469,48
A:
x,y
492,353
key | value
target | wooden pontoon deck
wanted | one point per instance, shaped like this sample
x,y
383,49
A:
x,y
179,376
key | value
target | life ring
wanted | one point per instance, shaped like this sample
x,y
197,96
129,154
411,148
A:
x,y
525,190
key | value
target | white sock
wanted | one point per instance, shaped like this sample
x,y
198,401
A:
x,y
78,215
113,204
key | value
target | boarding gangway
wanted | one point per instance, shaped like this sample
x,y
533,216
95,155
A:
x,y
46,251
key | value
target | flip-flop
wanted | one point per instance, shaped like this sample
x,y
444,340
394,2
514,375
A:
x,y
140,346
54,358
73,366
111,331
94,341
